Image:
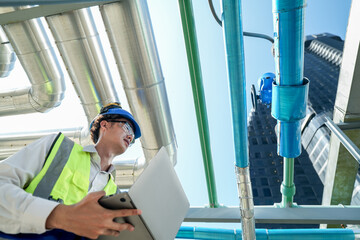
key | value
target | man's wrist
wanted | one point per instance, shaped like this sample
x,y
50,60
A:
x,y
55,218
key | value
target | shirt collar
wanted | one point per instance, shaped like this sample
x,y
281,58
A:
x,y
95,157
90,149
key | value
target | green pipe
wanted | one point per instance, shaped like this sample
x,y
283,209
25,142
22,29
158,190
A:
x,y
188,24
288,186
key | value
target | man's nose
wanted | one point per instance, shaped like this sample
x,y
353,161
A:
x,y
130,137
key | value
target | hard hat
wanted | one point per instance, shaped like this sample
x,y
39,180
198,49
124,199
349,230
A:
x,y
115,109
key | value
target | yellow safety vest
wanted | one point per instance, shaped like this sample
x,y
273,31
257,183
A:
x,y
65,174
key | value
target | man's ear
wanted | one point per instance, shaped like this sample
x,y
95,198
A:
x,y
103,124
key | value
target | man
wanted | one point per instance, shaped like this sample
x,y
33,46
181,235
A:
x,y
55,183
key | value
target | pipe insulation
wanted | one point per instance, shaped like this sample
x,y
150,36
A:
x,y
7,55
37,56
246,202
78,41
132,40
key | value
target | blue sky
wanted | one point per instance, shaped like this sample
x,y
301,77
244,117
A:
x,y
320,16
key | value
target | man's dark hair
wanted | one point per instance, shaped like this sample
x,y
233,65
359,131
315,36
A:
x,y
94,131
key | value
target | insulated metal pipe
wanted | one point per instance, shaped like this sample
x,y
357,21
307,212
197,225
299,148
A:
x,y
127,171
80,46
43,2
7,55
37,56
273,234
10,143
132,40
189,30
235,59
246,202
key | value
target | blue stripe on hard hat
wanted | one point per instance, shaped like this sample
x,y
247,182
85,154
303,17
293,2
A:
x,y
124,114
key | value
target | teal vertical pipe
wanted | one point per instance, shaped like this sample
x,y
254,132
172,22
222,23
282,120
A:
x,y
288,17
289,41
266,234
235,60
234,50
188,24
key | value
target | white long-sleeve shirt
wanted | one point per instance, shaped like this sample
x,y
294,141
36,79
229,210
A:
x,y
21,212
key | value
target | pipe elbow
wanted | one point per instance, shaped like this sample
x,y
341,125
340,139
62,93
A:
x,y
7,59
48,95
7,55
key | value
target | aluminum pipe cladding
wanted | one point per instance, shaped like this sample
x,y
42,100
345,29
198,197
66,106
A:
x,y
132,41
246,202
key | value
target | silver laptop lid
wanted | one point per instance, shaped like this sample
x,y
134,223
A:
x,y
160,196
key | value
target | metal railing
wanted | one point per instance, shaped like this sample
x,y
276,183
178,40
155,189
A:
x,y
345,140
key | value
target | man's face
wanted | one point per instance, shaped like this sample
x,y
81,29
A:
x,y
119,134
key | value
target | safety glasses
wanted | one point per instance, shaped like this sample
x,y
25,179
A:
x,y
127,129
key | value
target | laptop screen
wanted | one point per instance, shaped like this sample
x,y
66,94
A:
x,y
161,198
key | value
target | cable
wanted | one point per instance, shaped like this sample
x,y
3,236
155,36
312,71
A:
x,y
259,35
214,13
248,34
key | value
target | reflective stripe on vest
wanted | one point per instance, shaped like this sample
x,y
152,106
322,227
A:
x,y
65,175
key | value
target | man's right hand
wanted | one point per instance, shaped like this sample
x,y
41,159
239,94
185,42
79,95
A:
x,y
89,219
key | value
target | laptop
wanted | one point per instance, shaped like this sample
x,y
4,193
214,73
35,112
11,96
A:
x,y
161,198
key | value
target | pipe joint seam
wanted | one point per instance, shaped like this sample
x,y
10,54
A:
x,y
289,107
289,102
288,191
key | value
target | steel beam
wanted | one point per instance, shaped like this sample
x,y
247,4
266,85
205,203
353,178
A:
x,y
349,125
310,214
44,10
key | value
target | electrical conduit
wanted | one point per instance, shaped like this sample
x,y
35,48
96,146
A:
x,y
234,49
